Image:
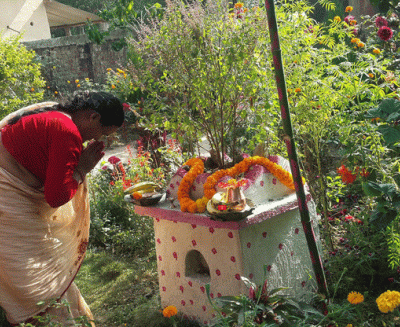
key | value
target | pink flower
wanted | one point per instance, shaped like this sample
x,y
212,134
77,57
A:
x,y
126,107
385,33
348,19
114,160
380,22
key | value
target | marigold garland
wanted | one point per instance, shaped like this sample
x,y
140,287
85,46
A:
x,y
197,167
187,204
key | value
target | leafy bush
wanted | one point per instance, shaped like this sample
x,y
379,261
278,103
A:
x,y
20,80
262,307
114,225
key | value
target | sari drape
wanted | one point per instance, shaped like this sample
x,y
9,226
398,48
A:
x,y
41,249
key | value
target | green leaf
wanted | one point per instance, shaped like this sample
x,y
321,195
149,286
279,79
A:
x,y
390,134
372,189
382,220
385,109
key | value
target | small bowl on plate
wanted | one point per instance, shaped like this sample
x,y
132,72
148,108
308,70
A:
x,y
145,201
230,215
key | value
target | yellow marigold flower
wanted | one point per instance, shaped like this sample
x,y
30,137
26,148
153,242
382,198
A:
x,y
297,89
355,298
289,90
239,5
361,44
371,75
349,325
113,86
337,19
109,69
55,92
170,311
376,51
349,8
78,85
54,67
77,81
355,40
69,82
245,10
388,301
32,89
87,79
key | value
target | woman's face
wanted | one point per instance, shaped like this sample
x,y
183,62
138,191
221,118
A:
x,y
94,130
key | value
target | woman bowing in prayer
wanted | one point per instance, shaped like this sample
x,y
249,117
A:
x,y
44,208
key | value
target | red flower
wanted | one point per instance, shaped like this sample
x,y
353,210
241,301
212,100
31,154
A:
x,y
114,160
348,218
347,176
385,33
364,173
126,107
380,22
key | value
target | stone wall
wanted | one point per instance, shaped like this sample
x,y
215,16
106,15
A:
x,y
75,57
362,8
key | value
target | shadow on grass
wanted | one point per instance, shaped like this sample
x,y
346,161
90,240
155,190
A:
x,y
123,291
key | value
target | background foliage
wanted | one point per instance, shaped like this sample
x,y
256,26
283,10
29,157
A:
x,y
20,78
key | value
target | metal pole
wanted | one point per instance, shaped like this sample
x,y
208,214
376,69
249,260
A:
x,y
291,148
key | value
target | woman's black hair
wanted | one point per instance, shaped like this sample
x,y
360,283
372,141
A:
x,y
105,104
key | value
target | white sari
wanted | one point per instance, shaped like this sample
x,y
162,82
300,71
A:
x,y
41,248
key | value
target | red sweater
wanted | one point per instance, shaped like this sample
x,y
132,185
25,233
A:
x,y
49,146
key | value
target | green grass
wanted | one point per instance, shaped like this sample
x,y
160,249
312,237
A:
x,y
116,288
122,291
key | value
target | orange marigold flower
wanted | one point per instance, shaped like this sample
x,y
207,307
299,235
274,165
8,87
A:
x,y
239,5
337,19
170,311
137,195
349,8
355,298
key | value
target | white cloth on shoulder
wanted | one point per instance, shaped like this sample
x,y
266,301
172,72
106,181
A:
x,y
41,248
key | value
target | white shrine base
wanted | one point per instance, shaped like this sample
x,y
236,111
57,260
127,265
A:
x,y
193,250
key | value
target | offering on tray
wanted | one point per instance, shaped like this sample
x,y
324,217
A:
x,y
230,203
230,199
144,193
